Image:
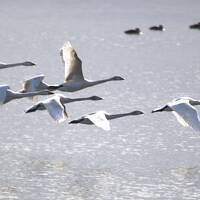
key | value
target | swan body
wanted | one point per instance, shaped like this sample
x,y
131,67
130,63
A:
x,y
55,105
5,65
100,118
74,78
157,28
184,111
6,94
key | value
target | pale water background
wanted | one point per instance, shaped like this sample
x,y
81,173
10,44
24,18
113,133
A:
x,y
148,157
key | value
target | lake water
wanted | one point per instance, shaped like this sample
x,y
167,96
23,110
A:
x,y
147,157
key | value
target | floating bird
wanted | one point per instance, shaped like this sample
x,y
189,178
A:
x,y
36,84
184,111
100,118
55,105
135,31
5,65
157,28
195,26
74,79
6,94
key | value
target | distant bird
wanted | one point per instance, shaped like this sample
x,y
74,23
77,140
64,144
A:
x,y
184,111
6,94
55,106
100,118
36,84
195,26
74,79
157,28
135,31
5,65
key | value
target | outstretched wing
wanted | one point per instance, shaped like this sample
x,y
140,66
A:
x,y
56,109
187,114
73,64
99,119
32,84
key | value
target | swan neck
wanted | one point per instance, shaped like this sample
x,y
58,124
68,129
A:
x,y
68,100
19,95
2,66
109,117
91,83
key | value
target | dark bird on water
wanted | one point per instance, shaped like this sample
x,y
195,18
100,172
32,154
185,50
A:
x,y
195,26
157,28
135,31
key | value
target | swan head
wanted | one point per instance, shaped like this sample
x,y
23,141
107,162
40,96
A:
x,y
165,108
137,112
95,98
117,78
28,63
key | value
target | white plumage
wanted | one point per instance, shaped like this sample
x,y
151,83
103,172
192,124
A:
x,y
184,111
100,118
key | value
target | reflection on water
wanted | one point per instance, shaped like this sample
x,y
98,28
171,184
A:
x,y
56,179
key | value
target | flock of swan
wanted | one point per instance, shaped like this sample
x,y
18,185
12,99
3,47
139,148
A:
x,y
183,107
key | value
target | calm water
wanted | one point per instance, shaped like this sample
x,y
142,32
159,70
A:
x,y
142,158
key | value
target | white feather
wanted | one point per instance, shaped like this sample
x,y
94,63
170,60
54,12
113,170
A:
x,y
73,64
187,112
99,119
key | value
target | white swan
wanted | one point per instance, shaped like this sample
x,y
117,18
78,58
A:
x,y
6,94
55,105
5,65
100,118
74,79
184,111
36,84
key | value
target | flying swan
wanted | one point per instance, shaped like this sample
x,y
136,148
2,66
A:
x,y
184,111
6,94
100,118
55,106
36,83
74,79
26,63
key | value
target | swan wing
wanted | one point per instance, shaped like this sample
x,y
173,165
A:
x,y
32,84
56,109
180,119
186,114
73,64
99,119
